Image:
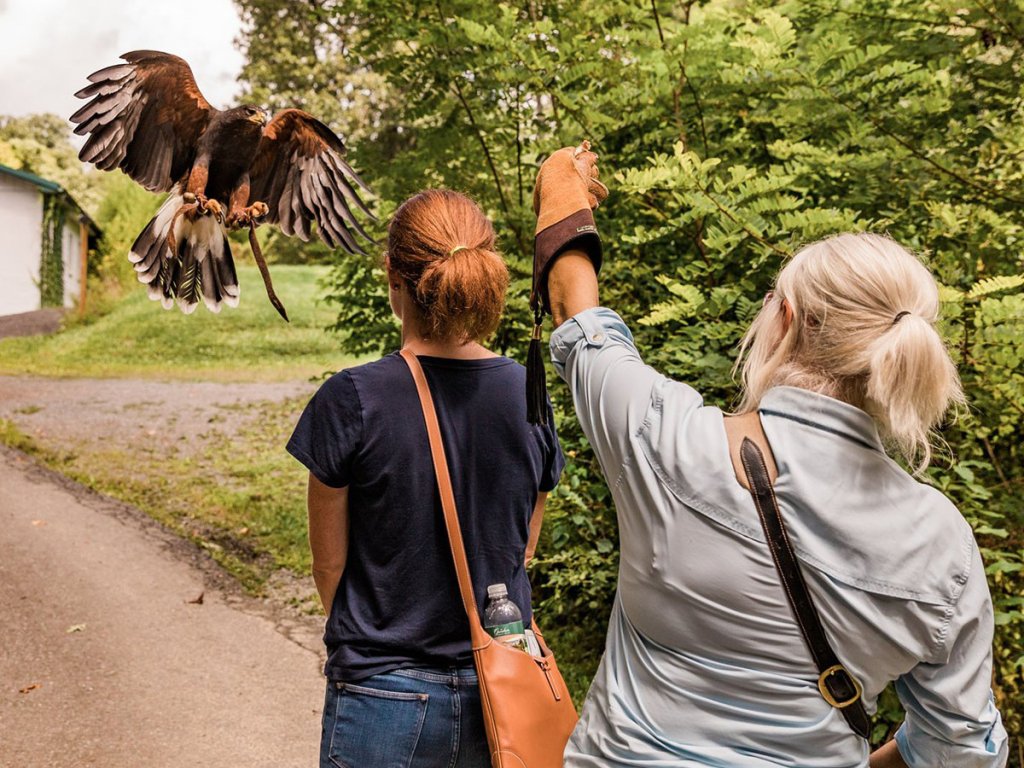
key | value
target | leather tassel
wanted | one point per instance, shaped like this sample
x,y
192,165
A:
x,y
536,384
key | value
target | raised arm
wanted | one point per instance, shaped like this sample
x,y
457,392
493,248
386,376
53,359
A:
x,y
572,285
592,348
566,192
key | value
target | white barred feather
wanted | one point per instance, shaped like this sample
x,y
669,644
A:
x,y
202,268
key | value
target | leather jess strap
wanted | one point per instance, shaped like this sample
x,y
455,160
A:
x,y
837,686
444,485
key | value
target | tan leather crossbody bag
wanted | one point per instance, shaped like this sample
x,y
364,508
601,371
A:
x,y
527,709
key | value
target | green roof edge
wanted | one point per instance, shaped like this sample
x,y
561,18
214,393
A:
x,y
49,186
31,178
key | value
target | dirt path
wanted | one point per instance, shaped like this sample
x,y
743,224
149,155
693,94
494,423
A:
x,y
162,416
104,661
107,659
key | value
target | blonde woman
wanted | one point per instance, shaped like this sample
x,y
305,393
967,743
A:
x,y
705,664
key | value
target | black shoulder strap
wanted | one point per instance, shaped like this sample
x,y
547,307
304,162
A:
x,y
837,685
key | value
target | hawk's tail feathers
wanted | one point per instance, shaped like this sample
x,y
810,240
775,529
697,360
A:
x,y
201,269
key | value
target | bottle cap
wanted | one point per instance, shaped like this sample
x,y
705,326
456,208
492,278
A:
x,y
497,590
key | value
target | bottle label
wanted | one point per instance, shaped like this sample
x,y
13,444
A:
x,y
512,634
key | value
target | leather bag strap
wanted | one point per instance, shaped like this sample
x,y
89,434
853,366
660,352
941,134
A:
x,y
838,687
444,486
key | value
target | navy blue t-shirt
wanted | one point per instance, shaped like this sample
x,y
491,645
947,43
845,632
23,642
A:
x,y
398,601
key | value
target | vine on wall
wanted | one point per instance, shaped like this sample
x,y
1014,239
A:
x,y
51,264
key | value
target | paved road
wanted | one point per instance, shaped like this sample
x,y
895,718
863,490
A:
x,y
105,662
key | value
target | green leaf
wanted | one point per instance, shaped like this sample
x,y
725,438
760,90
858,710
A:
x,y
991,285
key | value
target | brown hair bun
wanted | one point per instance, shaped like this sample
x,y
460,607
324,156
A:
x,y
443,246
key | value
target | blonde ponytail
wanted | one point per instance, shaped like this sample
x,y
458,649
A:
x,y
910,385
863,331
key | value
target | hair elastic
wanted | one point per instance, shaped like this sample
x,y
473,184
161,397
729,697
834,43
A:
x,y
900,316
458,248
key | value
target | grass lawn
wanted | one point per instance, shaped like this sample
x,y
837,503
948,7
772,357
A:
x,y
240,495
140,339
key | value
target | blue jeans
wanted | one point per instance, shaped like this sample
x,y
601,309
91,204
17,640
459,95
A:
x,y
408,718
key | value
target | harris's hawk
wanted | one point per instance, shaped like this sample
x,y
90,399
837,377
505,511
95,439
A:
x,y
224,169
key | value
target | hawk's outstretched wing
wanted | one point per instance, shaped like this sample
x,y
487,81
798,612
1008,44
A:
x,y
145,117
301,174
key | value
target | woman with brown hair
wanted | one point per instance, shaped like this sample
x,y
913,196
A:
x,y
402,689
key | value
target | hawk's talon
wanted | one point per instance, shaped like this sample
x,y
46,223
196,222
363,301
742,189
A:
x,y
206,206
247,217
214,207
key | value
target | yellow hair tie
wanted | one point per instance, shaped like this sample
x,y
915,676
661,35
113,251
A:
x,y
457,248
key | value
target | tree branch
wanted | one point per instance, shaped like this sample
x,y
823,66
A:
x,y
866,114
490,162
729,215
676,106
693,91
519,147
934,23
1004,23
516,229
698,239
995,462
684,82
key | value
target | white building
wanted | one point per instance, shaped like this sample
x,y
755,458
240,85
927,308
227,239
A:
x,y
40,265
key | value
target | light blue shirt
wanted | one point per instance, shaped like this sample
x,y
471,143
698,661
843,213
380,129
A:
x,y
704,663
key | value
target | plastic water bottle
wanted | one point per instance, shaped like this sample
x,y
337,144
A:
x,y
503,620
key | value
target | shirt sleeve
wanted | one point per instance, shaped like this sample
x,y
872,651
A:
x,y
612,388
329,432
951,716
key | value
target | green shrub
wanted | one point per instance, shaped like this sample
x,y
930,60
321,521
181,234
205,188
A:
x,y
730,133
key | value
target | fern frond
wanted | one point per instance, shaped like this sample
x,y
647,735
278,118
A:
x,y
950,295
995,284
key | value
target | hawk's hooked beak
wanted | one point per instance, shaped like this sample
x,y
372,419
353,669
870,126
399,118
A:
x,y
261,118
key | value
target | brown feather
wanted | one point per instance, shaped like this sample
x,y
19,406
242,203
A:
x,y
145,117
300,173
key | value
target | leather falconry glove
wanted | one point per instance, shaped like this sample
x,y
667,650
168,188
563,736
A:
x,y
566,192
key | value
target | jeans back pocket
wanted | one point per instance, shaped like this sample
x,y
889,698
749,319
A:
x,y
373,727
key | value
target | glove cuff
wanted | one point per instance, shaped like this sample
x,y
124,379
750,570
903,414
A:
x,y
578,231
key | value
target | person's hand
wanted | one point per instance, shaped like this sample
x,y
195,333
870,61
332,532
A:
x,y
586,165
568,188
568,179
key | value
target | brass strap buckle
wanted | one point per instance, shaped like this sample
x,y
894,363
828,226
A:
x,y
827,694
